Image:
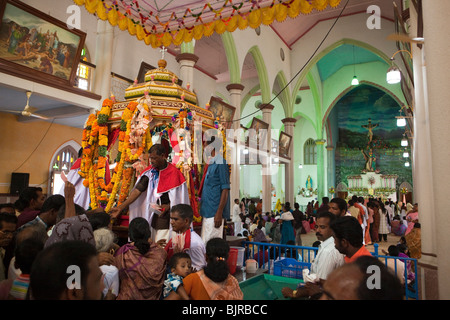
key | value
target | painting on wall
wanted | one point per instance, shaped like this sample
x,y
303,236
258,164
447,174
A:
x,y
38,46
284,144
257,133
223,111
369,139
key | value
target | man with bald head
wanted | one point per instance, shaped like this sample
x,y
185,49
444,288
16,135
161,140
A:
x,y
365,279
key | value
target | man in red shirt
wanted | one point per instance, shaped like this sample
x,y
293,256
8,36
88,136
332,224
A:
x,y
348,238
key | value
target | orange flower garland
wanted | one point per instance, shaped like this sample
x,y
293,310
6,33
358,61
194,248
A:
x,y
102,162
122,158
86,159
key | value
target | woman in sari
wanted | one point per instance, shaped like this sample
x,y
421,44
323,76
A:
x,y
412,217
214,282
141,264
287,229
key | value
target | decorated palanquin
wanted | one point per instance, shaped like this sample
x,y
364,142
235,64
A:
x,y
121,133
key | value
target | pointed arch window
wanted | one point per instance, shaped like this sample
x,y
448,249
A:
x,y
62,161
310,152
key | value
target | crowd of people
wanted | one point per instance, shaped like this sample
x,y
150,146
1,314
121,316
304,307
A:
x,y
54,248
377,219
35,230
343,229
64,252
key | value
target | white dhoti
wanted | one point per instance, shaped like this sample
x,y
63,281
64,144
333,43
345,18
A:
x,y
209,231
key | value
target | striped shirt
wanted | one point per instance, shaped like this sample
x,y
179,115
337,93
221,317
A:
x,y
327,259
20,286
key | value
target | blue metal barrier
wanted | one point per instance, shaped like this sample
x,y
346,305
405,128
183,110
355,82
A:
x,y
266,254
409,274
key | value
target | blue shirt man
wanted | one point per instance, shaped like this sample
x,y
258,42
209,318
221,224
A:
x,y
215,193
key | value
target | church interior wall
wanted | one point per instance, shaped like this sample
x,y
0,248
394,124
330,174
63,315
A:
x,y
269,45
18,143
352,26
303,131
128,48
373,72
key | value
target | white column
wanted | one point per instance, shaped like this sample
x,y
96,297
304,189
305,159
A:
x,y
235,90
289,125
103,59
187,62
266,165
437,48
421,164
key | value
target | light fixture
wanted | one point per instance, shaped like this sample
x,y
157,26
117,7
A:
x,y
355,80
401,122
300,166
407,164
405,154
404,142
394,75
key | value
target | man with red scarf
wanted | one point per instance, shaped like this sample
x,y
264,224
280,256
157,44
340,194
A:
x,y
184,239
159,187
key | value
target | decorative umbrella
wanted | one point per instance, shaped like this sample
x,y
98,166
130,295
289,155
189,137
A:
x,y
163,22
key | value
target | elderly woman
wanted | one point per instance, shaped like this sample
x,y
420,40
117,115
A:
x,y
104,242
141,264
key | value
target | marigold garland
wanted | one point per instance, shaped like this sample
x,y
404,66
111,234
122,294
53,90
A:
x,y
86,159
180,32
102,162
118,174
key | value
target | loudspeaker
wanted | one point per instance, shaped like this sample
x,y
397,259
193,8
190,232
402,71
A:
x,y
19,181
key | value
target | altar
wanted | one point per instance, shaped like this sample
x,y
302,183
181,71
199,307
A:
x,y
372,184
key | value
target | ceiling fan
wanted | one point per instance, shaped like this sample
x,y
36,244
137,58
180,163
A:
x,y
28,111
402,37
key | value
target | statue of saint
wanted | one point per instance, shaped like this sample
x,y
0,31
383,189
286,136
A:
x,y
309,182
368,158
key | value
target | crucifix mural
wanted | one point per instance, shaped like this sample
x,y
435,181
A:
x,y
370,127
369,156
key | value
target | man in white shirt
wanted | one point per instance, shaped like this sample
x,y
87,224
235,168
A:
x,y
236,218
327,259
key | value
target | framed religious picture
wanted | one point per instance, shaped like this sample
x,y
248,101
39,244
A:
x,y
36,46
257,132
284,144
143,69
223,111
